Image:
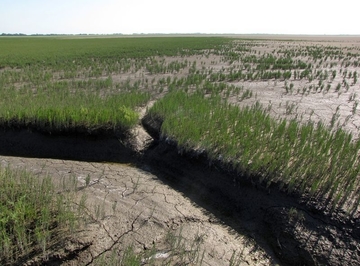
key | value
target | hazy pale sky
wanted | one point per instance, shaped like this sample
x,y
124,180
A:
x,y
185,16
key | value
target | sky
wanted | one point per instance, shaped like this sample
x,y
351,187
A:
x,y
316,17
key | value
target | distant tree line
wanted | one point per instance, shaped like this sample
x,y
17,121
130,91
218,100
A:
x,y
13,34
37,34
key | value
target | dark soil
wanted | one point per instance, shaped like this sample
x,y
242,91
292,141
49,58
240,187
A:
x,y
80,147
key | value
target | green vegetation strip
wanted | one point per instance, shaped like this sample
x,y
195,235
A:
x,y
32,216
307,158
66,110
57,51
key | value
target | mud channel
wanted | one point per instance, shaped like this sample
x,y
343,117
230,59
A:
x,y
146,194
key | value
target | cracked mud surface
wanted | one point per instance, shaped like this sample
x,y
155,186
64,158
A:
x,y
293,229
138,209
152,200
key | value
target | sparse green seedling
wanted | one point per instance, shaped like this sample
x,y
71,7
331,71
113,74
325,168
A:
x,y
338,87
354,108
87,180
114,206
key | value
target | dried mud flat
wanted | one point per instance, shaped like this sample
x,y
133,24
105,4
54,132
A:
x,y
137,209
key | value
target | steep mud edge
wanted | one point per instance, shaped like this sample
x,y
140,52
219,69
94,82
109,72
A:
x,y
299,230
80,147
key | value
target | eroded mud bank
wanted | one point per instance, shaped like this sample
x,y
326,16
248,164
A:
x,y
80,147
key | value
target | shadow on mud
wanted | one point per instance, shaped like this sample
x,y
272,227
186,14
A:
x,y
286,227
80,147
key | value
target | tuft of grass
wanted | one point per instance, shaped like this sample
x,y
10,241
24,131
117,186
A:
x,y
63,110
33,217
179,251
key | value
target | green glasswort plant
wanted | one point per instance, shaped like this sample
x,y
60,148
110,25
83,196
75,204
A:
x,y
307,158
32,216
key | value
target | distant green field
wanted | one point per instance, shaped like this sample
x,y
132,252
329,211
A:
x,y
47,96
52,51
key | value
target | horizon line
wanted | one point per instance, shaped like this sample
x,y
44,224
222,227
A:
x,y
156,33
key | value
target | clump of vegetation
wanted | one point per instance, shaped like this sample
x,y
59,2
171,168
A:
x,y
61,110
33,216
179,251
308,158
